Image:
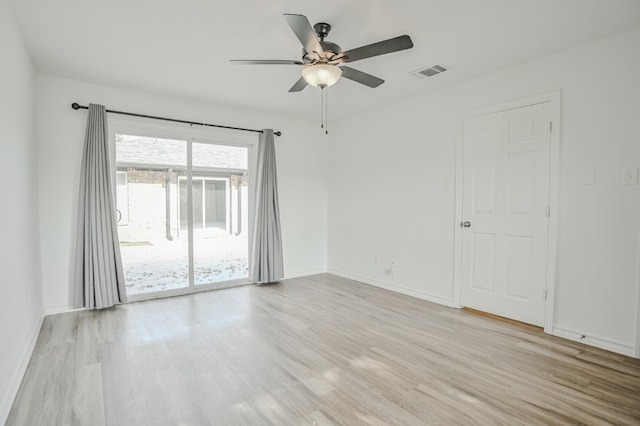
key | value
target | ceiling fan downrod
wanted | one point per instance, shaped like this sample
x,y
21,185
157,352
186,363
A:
x,y
322,30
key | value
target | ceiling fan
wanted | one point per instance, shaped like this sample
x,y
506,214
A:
x,y
324,61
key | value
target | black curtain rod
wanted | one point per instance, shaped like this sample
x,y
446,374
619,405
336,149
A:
x,y
77,106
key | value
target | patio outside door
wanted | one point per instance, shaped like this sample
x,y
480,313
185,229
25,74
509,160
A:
x,y
182,214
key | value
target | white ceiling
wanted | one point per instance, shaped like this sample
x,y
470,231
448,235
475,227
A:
x,y
183,47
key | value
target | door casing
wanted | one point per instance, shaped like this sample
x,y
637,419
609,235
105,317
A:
x,y
553,98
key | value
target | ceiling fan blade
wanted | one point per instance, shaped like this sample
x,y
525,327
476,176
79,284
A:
x,y
303,30
361,77
299,86
264,62
376,49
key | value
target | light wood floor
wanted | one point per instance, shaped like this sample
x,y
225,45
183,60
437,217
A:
x,y
315,350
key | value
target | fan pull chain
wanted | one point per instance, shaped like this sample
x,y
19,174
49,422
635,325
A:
x,y
326,112
322,107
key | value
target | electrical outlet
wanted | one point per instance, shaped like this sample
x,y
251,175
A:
x,y
630,176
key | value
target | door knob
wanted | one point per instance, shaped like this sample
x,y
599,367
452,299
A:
x,y
466,224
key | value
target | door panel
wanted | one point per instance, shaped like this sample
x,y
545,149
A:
x,y
154,251
484,247
521,182
505,199
484,183
220,256
519,281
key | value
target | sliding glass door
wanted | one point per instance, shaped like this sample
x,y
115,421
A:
x,y
182,211
220,241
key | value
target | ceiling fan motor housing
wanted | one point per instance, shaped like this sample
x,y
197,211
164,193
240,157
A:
x,y
329,51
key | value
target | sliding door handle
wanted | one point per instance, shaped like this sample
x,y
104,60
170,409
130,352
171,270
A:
x,y
465,224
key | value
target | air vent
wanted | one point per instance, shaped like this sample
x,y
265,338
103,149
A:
x,y
429,71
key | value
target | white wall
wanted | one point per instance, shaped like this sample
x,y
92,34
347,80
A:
x,y
391,187
20,290
301,159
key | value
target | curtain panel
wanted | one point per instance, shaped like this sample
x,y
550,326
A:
x,y
266,245
99,277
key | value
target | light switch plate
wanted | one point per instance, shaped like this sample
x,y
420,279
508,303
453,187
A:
x,y
630,176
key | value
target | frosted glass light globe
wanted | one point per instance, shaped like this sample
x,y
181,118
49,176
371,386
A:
x,y
321,75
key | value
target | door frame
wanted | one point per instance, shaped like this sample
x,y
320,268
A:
x,y
190,135
553,98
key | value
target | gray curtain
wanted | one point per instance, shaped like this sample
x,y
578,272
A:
x,y
99,278
266,245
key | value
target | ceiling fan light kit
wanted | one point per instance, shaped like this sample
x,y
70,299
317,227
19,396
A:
x,y
321,75
323,60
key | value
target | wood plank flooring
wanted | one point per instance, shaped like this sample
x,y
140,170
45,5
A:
x,y
318,350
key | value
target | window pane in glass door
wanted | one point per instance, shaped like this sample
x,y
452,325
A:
x,y
153,244
197,203
220,245
183,211
215,198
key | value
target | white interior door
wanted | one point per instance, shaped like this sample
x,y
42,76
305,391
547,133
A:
x,y
505,212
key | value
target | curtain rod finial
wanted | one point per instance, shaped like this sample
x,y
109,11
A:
x,y
75,105
278,133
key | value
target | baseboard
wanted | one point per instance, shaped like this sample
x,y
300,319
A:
x,y
297,274
18,374
61,310
594,341
398,289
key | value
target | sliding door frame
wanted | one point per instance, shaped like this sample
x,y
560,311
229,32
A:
x,y
191,135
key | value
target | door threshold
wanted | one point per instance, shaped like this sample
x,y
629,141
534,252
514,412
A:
x,y
500,318
143,297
